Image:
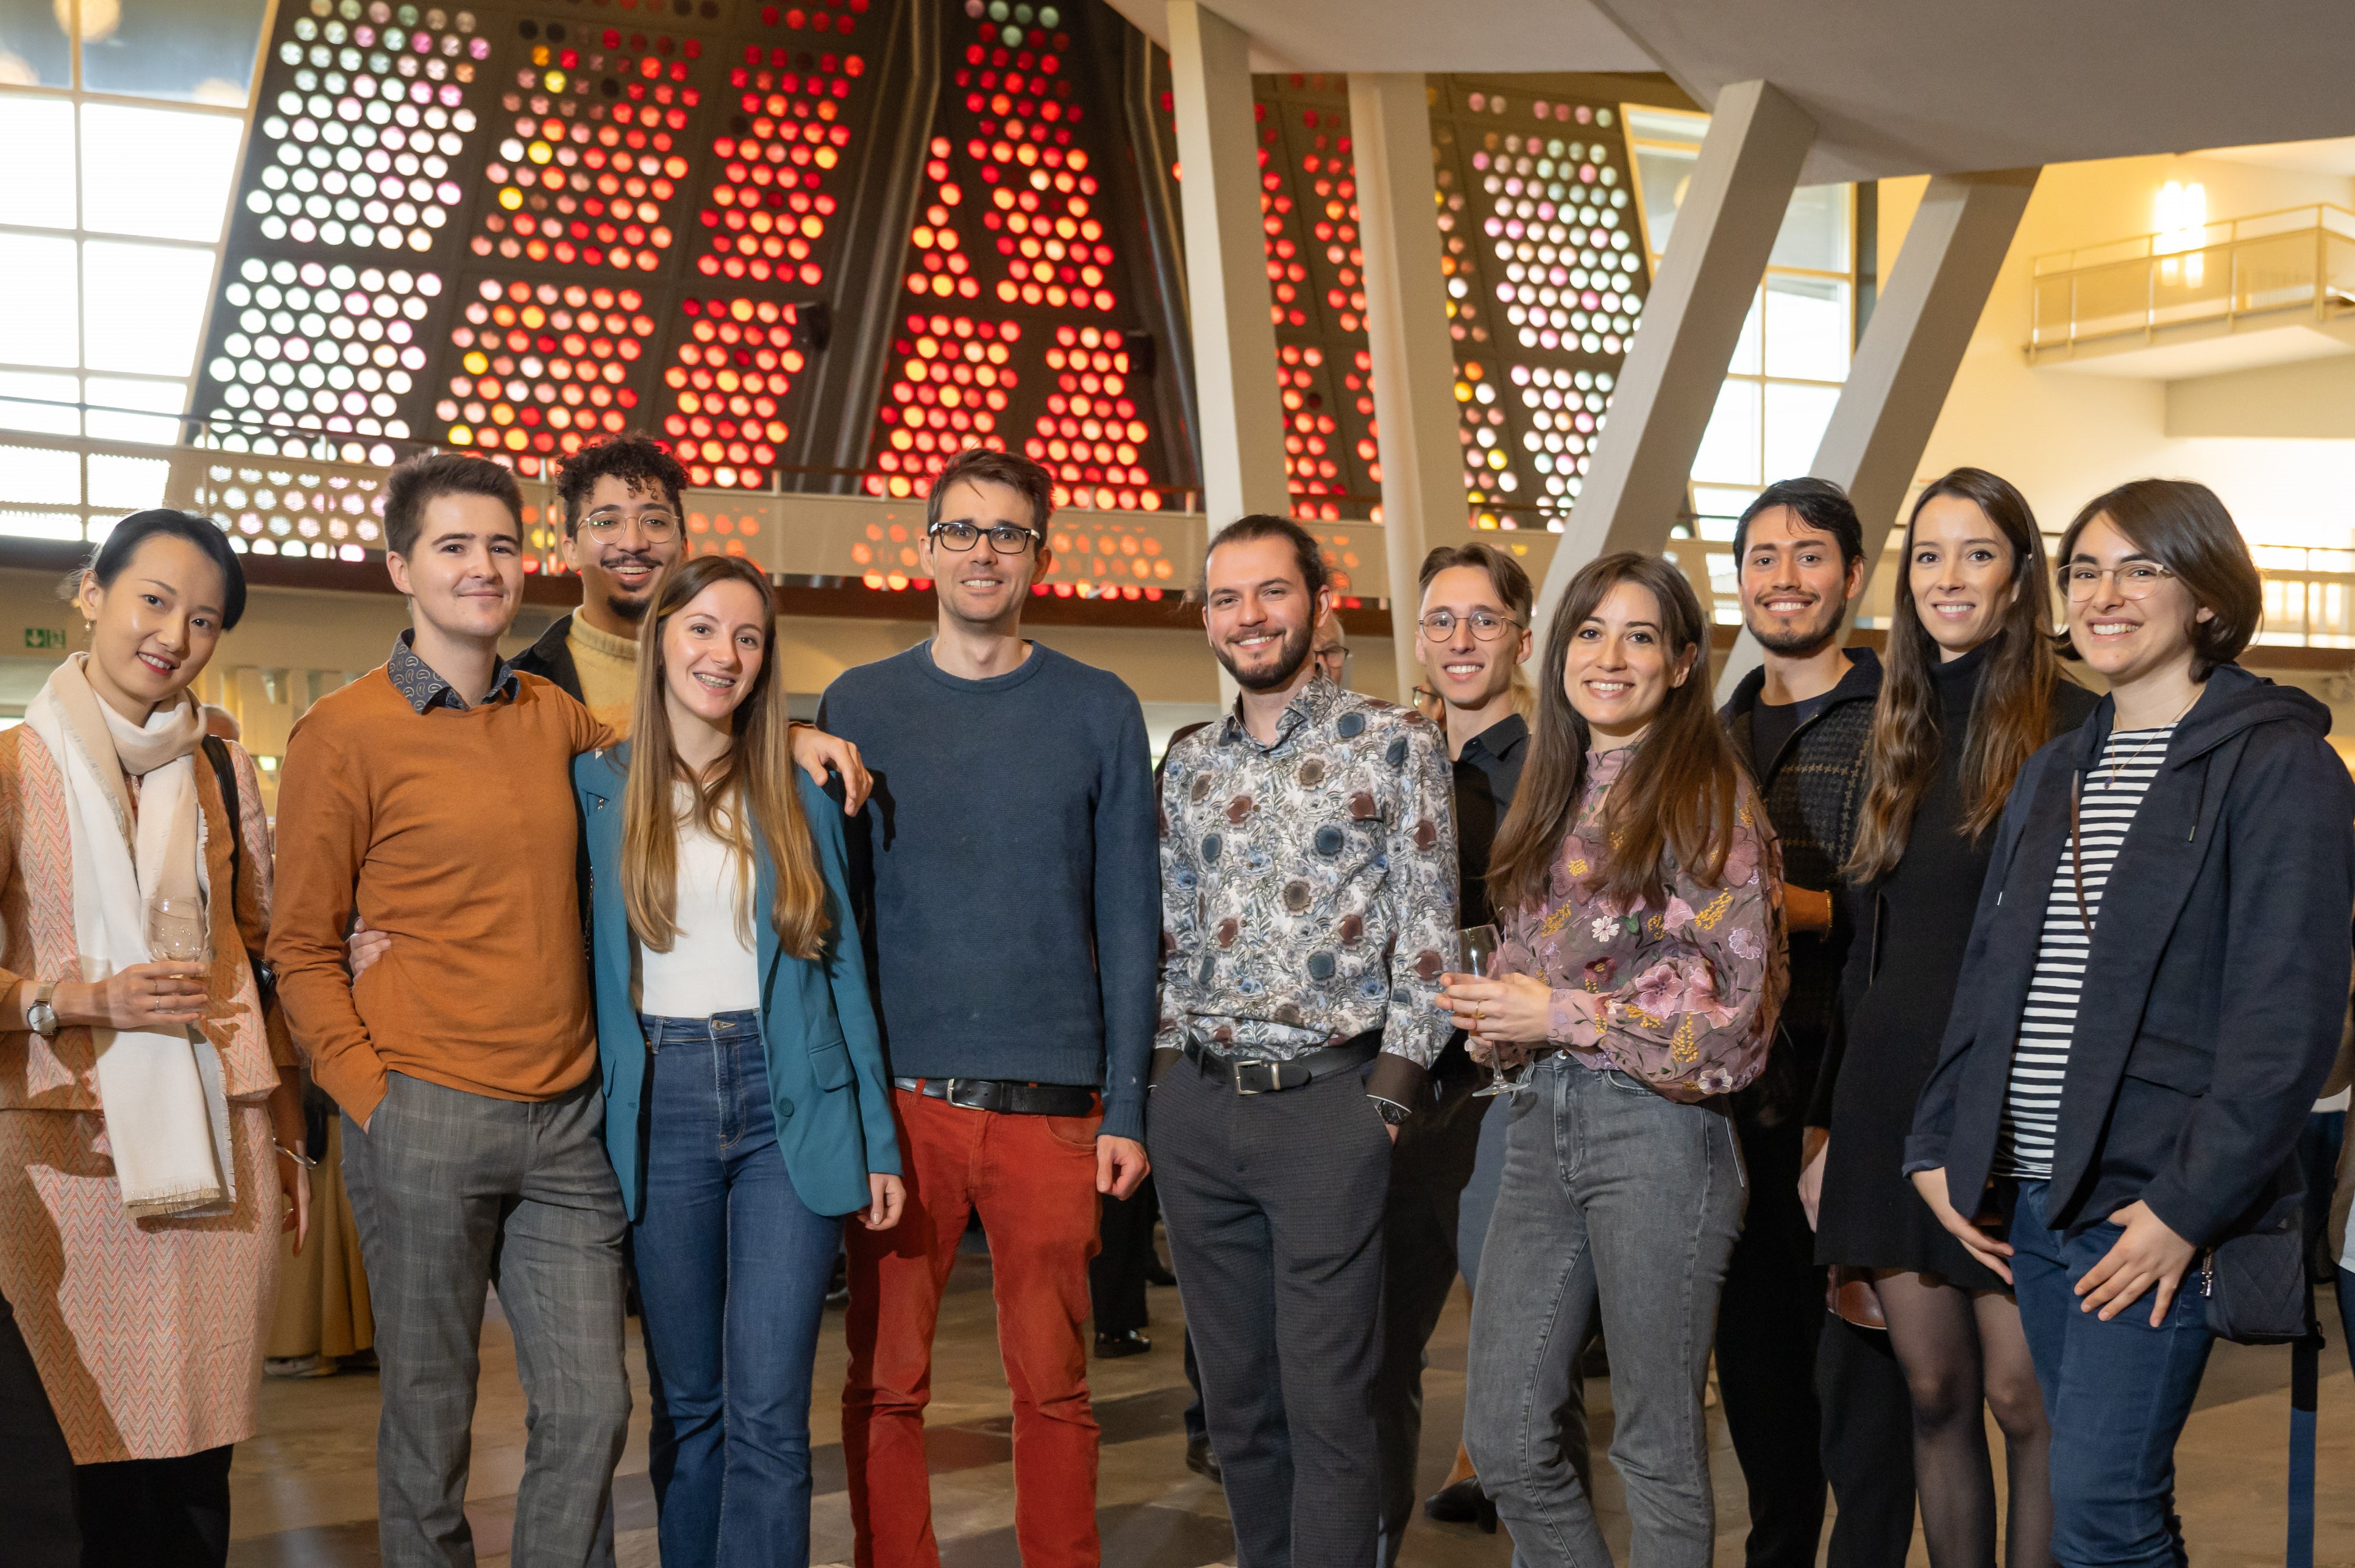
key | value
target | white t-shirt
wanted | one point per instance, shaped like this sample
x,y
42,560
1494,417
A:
x,y
709,967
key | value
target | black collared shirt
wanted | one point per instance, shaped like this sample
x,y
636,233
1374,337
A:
x,y
423,686
1486,776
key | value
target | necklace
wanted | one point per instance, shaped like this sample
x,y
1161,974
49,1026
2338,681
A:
x,y
2156,735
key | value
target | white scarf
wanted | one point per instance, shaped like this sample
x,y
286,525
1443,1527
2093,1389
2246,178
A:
x,y
166,1115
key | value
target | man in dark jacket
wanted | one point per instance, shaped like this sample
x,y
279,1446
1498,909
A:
x,y
1805,1393
623,527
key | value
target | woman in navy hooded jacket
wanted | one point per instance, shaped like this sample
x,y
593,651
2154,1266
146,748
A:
x,y
2150,999
745,1104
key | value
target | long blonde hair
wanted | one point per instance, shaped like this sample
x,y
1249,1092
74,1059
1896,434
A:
x,y
753,784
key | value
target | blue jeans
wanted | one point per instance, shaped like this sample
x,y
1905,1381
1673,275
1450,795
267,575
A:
x,y
2117,1394
732,1270
1617,1204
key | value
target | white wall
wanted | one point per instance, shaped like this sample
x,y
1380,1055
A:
x,y
2063,437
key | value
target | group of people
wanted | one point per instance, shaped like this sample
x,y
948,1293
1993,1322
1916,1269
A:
x,y
1658,1022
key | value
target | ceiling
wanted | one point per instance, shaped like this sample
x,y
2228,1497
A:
x,y
1895,87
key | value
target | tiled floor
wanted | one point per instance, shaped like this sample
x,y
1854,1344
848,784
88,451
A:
x,y
305,1488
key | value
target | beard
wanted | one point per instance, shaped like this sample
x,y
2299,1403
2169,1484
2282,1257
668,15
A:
x,y
631,610
1290,655
1798,642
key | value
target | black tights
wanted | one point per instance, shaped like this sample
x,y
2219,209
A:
x,y
155,1513
1961,1349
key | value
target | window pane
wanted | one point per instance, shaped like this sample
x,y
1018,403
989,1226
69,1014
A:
x,y
40,476
38,525
33,50
196,49
39,415
1814,230
1729,448
37,175
38,327
1663,173
146,306
1745,360
127,484
1795,417
164,396
158,172
1808,327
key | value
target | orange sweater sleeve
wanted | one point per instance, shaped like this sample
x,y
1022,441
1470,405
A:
x,y
323,838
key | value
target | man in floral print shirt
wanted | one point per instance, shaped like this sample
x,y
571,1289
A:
x,y
1308,908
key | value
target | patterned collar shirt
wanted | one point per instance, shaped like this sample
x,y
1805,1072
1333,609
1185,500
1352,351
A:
x,y
423,686
1308,887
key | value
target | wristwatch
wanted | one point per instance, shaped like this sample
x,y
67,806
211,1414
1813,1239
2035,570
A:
x,y
1393,1111
40,1015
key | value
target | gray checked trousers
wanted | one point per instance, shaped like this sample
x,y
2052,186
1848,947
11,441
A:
x,y
453,1192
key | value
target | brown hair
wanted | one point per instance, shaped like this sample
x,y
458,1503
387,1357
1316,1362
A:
x,y
1681,789
985,466
2182,525
754,786
1512,585
2011,712
413,484
1307,552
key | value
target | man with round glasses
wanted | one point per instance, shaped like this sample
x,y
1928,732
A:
x,y
1013,877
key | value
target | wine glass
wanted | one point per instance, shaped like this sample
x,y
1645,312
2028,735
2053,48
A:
x,y
176,930
1476,948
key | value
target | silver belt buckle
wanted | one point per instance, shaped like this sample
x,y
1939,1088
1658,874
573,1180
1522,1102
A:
x,y
1238,1068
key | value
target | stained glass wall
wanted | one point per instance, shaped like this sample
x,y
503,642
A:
x,y
1019,331
511,229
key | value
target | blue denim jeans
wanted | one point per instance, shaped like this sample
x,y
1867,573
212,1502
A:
x,y
1614,1205
732,1270
2117,1394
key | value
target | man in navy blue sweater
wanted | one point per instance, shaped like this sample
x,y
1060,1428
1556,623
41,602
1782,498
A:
x,y
1014,939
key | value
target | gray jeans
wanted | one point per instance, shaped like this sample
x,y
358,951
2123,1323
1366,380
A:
x,y
1616,1200
452,1192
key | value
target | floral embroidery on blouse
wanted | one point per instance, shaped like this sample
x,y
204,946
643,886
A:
x,y
1684,998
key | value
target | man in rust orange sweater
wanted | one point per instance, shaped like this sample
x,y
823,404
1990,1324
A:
x,y
433,797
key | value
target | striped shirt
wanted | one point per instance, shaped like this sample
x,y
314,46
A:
x,y
2112,793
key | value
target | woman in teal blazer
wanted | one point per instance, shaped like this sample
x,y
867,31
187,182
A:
x,y
746,1107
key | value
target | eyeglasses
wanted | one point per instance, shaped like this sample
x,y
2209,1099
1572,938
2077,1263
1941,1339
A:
x,y
607,525
2136,579
1004,537
1440,625
1332,660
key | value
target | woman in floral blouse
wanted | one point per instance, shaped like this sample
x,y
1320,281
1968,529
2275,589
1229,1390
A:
x,y
1640,898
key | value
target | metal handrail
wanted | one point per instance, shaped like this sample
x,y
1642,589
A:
x,y
2174,262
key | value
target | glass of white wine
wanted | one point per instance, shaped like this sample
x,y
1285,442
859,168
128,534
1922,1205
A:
x,y
176,930
1477,954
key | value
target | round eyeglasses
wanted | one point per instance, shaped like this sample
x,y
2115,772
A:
x,y
2136,579
1004,537
1440,625
607,525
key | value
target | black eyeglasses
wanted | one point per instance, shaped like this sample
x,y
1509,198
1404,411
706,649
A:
x,y
1004,537
1440,625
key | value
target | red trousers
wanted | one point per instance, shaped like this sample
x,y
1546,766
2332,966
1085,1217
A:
x,y
1032,1180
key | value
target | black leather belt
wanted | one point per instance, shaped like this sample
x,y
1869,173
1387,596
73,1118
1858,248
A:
x,y
1257,1075
1005,1097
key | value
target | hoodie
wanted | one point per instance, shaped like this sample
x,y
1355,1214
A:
x,y
2214,985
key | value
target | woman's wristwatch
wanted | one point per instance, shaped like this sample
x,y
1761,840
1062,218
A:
x,y
41,1016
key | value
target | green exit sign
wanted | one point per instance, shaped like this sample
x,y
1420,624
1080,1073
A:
x,y
44,637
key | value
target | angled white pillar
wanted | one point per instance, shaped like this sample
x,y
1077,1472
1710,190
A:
x,y
1406,331
1725,231
1242,416
1898,382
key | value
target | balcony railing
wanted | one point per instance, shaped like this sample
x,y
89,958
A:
x,y
2269,269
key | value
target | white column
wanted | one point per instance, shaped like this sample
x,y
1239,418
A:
x,y
1899,379
1242,416
1406,330
1725,231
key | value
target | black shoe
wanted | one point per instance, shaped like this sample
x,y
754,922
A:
x,y
1156,1272
1129,1342
1462,1503
1201,1460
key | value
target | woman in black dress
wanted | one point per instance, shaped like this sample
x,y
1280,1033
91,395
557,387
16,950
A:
x,y
1972,688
